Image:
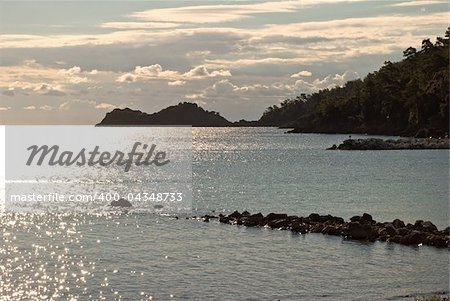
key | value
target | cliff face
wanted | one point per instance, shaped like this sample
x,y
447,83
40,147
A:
x,y
181,114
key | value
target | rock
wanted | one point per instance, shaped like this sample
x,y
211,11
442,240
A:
x,y
429,226
403,231
359,228
413,238
390,229
338,220
314,217
278,223
418,224
437,241
395,238
355,218
358,231
224,220
275,216
390,144
253,220
235,215
366,218
398,223
298,228
332,230
316,228
123,203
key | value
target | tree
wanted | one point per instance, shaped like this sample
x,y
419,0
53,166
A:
x,y
410,51
426,44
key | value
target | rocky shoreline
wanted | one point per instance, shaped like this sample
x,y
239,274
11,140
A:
x,y
391,144
362,228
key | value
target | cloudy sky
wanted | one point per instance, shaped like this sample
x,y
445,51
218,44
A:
x,y
67,62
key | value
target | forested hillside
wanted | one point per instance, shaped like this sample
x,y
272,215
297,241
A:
x,y
410,97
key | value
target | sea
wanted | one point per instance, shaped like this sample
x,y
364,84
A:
x,y
138,255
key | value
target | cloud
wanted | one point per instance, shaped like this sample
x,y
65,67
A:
x,y
5,108
139,25
46,108
301,74
218,13
47,89
72,71
328,82
417,3
177,83
202,72
29,108
105,106
175,78
127,78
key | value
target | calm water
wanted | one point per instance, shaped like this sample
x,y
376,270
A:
x,y
147,256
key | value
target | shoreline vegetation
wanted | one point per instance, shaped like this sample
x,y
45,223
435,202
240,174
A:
x,y
362,228
408,98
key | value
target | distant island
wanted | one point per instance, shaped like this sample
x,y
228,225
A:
x,y
185,113
406,98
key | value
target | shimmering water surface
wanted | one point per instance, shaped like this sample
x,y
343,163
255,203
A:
x,y
148,256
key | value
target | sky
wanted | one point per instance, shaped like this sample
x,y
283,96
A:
x,y
71,62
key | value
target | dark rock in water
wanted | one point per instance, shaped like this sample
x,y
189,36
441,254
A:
x,y
366,218
413,238
316,228
253,220
224,220
314,217
403,231
235,214
158,206
398,223
390,229
298,228
437,241
426,226
359,228
380,144
332,230
338,220
275,216
358,231
429,226
395,238
123,203
355,218
278,223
